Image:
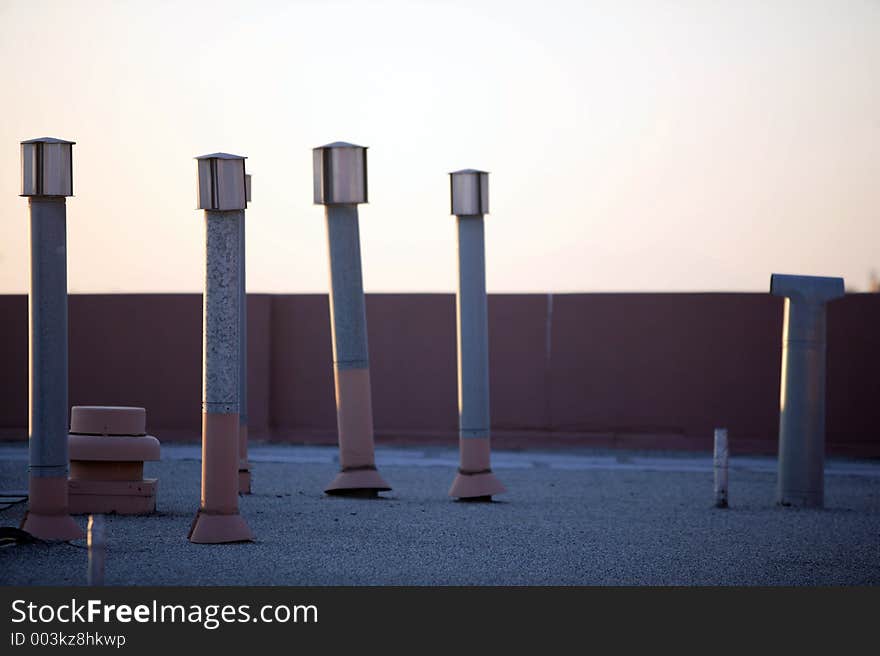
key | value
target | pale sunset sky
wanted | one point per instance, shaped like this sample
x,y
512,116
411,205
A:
x,y
633,145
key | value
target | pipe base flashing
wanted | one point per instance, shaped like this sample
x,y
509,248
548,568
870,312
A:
x,y
48,516
470,486
52,527
219,529
801,499
356,482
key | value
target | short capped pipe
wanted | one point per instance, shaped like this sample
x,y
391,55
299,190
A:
x,y
801,477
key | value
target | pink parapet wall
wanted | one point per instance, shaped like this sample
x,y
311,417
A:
x,y
579,372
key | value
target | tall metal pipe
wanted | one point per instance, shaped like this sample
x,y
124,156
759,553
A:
x,y
222,196
47,178
470,200
340,184
801,479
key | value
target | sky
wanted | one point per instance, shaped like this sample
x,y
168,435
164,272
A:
x,y
632,145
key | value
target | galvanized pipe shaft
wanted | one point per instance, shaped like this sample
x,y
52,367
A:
x,y
473,329
719,467
218,520
220,356
349,329
221,344
347,307
47,310
802,406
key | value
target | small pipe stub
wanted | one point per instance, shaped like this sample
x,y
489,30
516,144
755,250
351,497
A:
x,y
108,446
801,468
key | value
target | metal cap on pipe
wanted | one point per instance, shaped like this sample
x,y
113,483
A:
x,y
805,306
221,182
469,192
47,167
340,174
815,289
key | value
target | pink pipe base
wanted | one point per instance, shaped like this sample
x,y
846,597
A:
x,y
48,516
475,479
217,520
354,415
219,529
